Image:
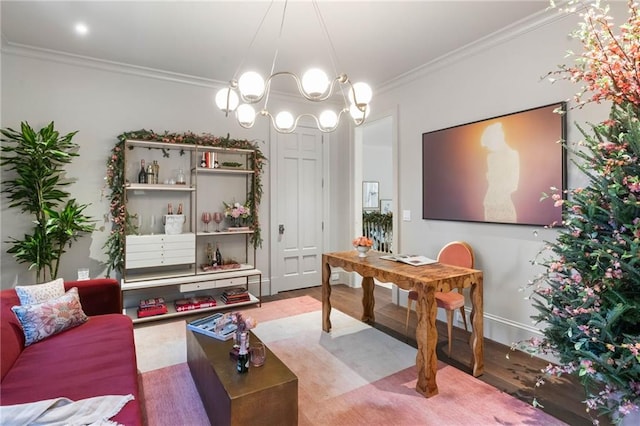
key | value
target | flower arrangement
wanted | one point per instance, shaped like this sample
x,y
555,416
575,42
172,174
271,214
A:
x,y
588,297
243,323
237,213
362,242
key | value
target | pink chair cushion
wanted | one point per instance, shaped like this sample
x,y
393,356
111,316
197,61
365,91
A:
x,y
450,300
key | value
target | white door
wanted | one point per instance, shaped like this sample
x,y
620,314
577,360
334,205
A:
x,y
297,219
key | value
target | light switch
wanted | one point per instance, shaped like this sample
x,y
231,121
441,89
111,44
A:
x,y
406,215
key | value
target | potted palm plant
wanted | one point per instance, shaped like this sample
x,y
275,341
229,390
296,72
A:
x,y
34,183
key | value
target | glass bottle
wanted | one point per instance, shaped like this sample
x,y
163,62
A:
x,y
156,171
150,174
243,355
218,256
180,180
142,176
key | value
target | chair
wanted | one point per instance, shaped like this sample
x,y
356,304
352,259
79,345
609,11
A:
x,y
456,253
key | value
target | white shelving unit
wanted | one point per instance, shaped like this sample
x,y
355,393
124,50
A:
x,y
172,266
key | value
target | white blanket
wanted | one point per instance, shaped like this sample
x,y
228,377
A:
x,y
94,411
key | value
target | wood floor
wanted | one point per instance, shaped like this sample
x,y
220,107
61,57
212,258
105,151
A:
x,y
516,376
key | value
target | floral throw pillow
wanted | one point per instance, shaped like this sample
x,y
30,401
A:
x,y
38,293
42,320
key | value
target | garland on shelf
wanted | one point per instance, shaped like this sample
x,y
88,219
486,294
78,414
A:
x,y
121,220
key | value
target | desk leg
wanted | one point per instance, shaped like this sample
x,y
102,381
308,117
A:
x,y
368,301
427,338
477,332
326,295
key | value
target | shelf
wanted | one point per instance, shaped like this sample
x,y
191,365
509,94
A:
x,y
172,313
224,273
215,233
222,170
226,150
160,145
168,266
151,281
158,187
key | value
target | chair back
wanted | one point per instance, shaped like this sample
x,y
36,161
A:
x,y
457,253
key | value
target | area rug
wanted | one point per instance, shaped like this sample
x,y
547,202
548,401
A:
x,y
355,375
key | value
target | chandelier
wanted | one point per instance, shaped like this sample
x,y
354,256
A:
x,y
315,86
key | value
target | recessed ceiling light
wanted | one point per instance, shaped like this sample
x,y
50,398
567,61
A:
x,y
81,29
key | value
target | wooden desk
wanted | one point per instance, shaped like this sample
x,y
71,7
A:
x,y
265,395
426,280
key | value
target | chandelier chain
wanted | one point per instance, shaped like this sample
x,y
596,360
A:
x,y
333,56
253,40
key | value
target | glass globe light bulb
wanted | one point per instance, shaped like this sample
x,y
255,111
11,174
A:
x,y
315,82
363,93
328,119
358,115
251,86
284,120
246,115
227,95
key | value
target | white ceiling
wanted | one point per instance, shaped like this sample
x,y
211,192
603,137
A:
x,y
374,41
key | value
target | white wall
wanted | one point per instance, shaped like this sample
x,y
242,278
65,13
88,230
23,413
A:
x,y
494,80
102,101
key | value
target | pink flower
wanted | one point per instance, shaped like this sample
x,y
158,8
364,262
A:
x,y
362,241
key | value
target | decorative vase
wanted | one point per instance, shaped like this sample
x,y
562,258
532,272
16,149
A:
x,y
236,222
362,250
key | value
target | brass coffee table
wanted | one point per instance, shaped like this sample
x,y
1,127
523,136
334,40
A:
x,y
266,395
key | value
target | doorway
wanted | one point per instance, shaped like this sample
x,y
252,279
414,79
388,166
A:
x,y
375,160
296,209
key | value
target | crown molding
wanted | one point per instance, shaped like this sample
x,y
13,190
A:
x,y
28,51
515,30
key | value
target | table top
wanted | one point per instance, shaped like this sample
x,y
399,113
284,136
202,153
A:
x,y
442,276
273,373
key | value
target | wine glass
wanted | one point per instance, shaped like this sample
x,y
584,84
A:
x,y
217,218
206,218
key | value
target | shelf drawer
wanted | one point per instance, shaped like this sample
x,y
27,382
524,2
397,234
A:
x,y
228,282
135,240
160,261
145,251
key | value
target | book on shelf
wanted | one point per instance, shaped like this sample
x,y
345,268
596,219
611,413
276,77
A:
x,y
218,326
235,291
410,259
153,310
235,295
246,298
145,303
196,302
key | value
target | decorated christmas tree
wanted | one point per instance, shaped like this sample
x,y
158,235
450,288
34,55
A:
x,y
588,298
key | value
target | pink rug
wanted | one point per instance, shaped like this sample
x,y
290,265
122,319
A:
x,y
355,375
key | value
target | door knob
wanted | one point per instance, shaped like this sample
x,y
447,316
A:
x,y
281,229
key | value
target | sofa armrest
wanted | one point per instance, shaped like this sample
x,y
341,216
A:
x,y
98,296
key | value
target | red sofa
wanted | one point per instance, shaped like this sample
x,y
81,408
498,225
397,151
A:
x,y
93,359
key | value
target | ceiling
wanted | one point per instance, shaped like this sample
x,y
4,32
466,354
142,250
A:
x,y
373,41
